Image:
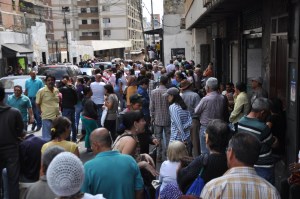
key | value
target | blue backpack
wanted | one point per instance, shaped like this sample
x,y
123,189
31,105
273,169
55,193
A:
x,y
198,184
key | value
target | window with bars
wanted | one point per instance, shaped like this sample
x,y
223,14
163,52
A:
x,y
106,20
84,21
106,32
94,10
95,21
82,10
105,8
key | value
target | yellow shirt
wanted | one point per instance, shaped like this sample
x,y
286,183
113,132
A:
x,y
49,102
67,145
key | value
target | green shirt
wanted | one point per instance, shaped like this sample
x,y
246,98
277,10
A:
x,y
115,175
22,104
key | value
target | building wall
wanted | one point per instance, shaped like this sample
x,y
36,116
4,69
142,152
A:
x,y
39,42
194,12
174,37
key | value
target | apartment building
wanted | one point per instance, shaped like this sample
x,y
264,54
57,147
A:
x,y
26,26
99,20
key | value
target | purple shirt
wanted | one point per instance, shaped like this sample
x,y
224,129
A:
x,y
212,106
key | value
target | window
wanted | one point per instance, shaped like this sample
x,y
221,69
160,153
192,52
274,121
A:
x,y
95,33
95,21
67,21
94,10
85,33
106,20
84,21
106,32
105,8
82,10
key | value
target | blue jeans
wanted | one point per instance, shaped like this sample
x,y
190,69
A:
x,y
202,136
70,114
99,108
46,130
78,110
36,113
266,173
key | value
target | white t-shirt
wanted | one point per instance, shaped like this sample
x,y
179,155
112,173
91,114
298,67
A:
x,y
98,92
167,173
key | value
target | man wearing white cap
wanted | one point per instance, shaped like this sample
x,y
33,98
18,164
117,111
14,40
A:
x,y
257,90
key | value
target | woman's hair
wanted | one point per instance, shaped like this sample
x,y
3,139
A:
x,y
59,126
118,75
80,79
218,135
109,88
128,120
176,151
131,72
178,100
86,90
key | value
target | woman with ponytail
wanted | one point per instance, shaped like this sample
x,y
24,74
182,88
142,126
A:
x,y
60,133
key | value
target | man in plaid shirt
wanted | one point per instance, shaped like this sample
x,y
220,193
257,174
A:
x,y
159,112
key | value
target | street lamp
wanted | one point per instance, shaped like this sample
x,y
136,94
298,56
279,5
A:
x,y
66,9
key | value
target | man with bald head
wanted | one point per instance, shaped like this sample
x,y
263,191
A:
x,y
111,173
98,95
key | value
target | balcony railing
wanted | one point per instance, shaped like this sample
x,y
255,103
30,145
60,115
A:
x,y
97,37
89,26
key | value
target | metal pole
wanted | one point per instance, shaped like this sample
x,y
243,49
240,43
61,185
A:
x,y
152,21
142,26
66,33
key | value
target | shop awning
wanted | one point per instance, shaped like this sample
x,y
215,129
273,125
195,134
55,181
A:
x,y
158,31
106,44
17,48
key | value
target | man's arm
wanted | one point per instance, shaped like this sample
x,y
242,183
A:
x,y
31,116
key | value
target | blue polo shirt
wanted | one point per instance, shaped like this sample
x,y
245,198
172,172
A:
x,y
115,175
22,104
32,86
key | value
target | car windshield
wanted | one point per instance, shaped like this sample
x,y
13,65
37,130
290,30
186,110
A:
x,y
10,83
57,72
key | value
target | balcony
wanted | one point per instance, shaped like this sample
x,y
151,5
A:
x,y
89,26
86,15
85,3
89,37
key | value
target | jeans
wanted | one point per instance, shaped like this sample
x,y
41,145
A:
x,y
202,136
78,110
46,130
70,114
9,159
36,113
266,173
158,132
99,108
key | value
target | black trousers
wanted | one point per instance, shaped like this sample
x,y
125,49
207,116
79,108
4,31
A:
x,y
287,190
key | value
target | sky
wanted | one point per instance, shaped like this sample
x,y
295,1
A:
x,y
157,8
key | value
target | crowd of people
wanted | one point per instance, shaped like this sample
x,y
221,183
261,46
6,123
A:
x,y
198,127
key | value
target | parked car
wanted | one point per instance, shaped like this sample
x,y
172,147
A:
x,y
104,65
87,71
58,71
10,81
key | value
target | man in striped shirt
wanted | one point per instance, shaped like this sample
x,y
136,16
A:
x,y
241,180
254,123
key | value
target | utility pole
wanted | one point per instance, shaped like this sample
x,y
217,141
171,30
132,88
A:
x,y
66,9
152,21
142,26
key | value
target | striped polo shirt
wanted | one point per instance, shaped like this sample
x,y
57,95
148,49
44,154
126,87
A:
x,y
262,132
